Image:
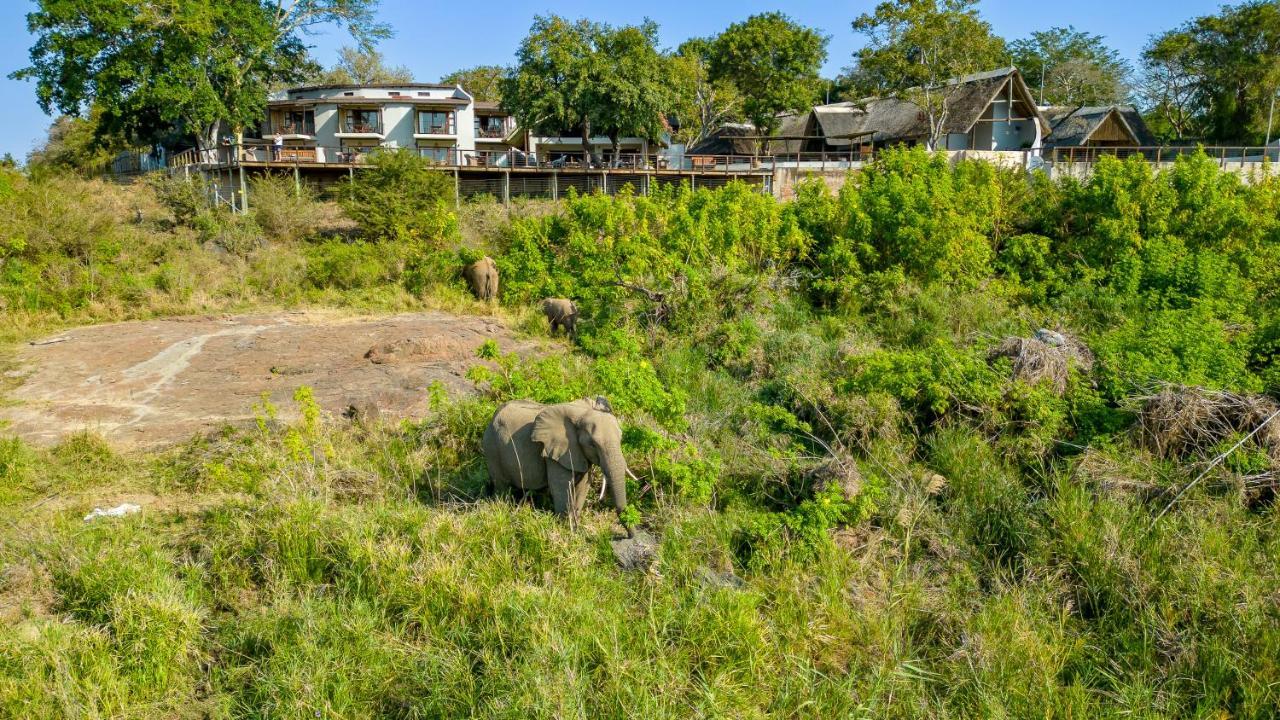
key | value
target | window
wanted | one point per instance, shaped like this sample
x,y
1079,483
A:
x,y
490,126
442,155
361,121
297,122
435,122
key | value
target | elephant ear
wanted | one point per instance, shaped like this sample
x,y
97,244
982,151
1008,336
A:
x,y
558,434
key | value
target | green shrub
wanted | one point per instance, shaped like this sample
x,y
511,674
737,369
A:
x,y
184,196
286,212
400,197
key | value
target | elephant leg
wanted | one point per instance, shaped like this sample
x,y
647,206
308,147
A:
x,y
559,481
497,479
581,489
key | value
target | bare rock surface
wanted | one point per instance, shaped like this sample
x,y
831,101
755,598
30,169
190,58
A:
x,y
158,382
635,553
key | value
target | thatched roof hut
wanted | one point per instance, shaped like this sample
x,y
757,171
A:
x,y
976,103
1096,125
728,139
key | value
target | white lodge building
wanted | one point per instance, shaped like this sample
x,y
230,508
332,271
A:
x,y
340,123
444,123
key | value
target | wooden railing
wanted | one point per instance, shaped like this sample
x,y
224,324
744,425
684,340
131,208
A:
x,y
262,152
1158,154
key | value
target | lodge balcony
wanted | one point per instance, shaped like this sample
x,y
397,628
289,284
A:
x,y
290,130
360,129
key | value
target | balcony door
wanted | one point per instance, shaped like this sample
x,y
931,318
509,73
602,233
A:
x,y
298,122
490,126
435,122
362,121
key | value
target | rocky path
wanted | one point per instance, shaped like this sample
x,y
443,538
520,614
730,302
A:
x,y
161,381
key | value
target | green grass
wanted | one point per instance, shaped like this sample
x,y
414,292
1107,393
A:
x,y
273,590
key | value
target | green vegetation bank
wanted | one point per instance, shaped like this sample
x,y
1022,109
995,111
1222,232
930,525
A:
x,y
875,496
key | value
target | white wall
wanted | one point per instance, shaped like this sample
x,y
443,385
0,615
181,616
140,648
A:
x,y
399,115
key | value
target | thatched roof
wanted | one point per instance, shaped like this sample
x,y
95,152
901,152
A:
x,y
894,119
728,139
1073,125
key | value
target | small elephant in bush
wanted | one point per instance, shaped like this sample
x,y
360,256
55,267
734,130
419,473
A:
x,y
482,276
533,446
561,313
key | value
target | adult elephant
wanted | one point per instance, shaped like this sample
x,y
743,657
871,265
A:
x,y
533,446
482,276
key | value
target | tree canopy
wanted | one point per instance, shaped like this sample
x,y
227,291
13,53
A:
x,y
484,82
915,46
1215,76
589,77
700,104
357,66
1076,67
772,61
186,63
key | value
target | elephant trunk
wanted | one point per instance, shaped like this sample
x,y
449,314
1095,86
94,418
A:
x,y
615,478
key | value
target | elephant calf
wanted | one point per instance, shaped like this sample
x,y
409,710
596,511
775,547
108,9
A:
x,y
533,446
561,313
482,276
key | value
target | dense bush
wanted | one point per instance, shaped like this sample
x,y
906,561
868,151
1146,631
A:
x,y
400,197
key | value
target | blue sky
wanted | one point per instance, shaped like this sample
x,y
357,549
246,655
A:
x,y
436,38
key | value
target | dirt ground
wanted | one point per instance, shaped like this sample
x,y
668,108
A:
x,y
145,384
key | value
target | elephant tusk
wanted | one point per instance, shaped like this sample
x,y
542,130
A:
x,y
603,481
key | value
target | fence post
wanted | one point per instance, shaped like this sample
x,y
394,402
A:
x,y
604,182
506,188
457,189
297,180
555,185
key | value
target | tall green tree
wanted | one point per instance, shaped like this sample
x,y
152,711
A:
x,y
190,63
1229,62
700,104
484,82
1170,88
590,77
362,66
635,88
773,62
1065,66
914,47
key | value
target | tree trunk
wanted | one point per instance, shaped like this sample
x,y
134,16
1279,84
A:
x,y
586,143
207,137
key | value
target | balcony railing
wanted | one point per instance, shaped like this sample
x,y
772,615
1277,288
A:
x,y
263,151
435,129
366,127
292,128
491,131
